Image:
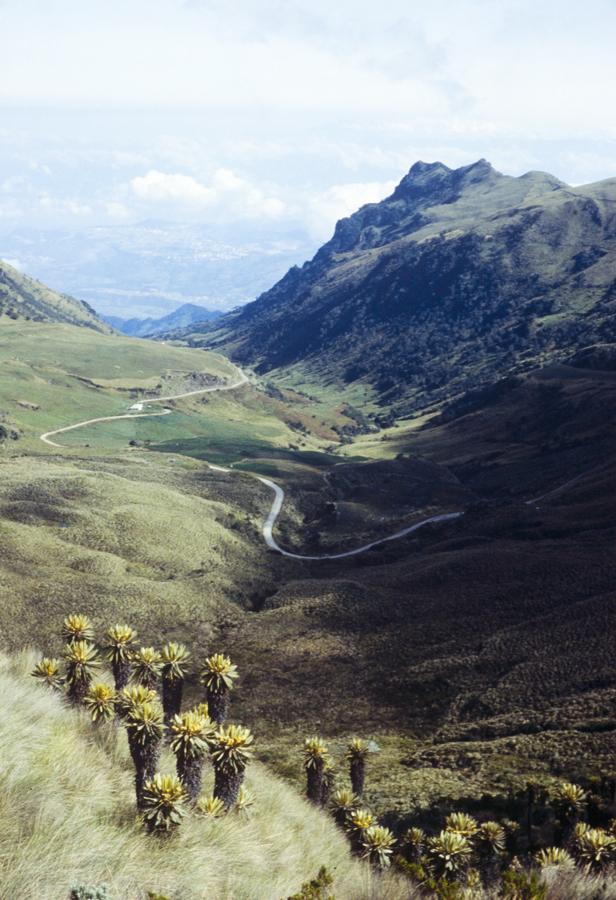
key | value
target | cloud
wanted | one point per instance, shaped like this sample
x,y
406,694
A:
x,y
340,200
116,210
227,192
160,187
64,205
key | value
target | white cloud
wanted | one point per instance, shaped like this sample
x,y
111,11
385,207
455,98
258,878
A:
x,y
342,200
15,263
64,205
116,210
160,187
227,192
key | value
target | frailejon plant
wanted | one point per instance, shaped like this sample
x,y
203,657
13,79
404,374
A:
x,y
47,671
327,785
191,739
342,804
77,627
570,802
217,676
358,822
118,650
377,845
462,823
133,696
245,801
100,702
81,660
316,757
163,804
449,854
554,858
213,807
356,754
490,844
413,844
175,667
146,667
230,756
596,849
144,726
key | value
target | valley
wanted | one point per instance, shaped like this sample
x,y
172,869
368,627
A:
x,y
430,570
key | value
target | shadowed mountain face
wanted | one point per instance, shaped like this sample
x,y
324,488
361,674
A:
x,y
24,298
458,277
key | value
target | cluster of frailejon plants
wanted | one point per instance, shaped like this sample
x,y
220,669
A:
x,y
368,839
146,697
469,858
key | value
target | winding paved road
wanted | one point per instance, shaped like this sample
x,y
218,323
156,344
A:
x,y
279,494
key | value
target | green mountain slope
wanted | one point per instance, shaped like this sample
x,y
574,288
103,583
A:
x,y
458,277
22,297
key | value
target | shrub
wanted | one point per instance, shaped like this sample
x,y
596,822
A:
x,y
82,892
315,889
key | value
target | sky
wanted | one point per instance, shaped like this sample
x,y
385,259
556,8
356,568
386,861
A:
x,y
285,115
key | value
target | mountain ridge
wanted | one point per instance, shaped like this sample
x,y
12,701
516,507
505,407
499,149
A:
x,y
457,278
22,297
185,315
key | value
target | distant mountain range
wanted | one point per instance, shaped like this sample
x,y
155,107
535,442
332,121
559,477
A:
x,y
184,316
24,298
147,269
459,277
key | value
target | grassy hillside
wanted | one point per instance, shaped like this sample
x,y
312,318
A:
x,y
457,278
23,298
53,375
67,817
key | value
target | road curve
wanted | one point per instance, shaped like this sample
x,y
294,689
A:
x,y
279,494
274,512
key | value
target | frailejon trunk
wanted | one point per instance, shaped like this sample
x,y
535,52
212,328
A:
x,y
491,869
172,698
77,689
227,786
358,774
314,781
218,705
121,674
357,840
190,773
145,758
